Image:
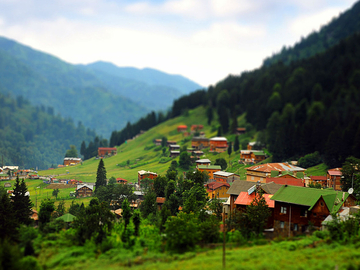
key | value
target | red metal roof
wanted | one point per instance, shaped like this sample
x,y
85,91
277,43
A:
x,y
121,179
335,172
107,148
182,126
245,199
215,185
286,181
281,167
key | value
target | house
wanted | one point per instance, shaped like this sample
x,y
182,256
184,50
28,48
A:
x,y
297,207
245,199
261,172
157,142
287,179
333,178
225,177
7,185
103,151
210,169
204,162
174,153
168,143
182,128
70,161
74,182
84,190
121,181
218,144
160,201
319,179
251,145
200,143
239,186
173,147
217,190
146,174
252,156
240,131
198,153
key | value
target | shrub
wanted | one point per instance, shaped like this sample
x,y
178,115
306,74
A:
x,y
310,160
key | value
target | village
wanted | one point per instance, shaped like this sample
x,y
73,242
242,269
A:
x,y
296,206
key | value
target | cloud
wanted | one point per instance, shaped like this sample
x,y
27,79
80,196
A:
x,y
305,24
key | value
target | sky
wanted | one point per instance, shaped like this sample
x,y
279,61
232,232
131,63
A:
x,y
203,40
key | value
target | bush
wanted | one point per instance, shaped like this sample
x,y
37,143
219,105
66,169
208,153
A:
x,y
310,160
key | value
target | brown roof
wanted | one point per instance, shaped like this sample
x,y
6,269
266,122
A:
x,y
335,172
240,186
160,199
281,167
271,188
215,185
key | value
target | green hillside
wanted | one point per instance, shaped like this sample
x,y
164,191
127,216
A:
x,y
144,155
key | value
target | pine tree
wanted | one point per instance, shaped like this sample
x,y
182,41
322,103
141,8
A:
x,y
21,202
8,221
229,150
236,144
100,175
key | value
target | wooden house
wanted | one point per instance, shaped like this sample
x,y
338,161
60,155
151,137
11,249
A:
x,y
121,181
174,153
217,190
200,143
168,143
182,128
103,151
240,131
252,156
333,178
195,128
319,179
204,162
7,185
174,147
70,161
210,169
287,179
250,145
218,144
225,177
160,202
146,174
297,207
84,190
157,142
261,172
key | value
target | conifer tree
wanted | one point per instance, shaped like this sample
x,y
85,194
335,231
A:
x,y
236,144
21,202
100,175
8,221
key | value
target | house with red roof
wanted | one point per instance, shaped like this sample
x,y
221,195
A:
x,y
333,178
121,181
218,144
160,201
287,179
217,190
319,179
261,172
182,128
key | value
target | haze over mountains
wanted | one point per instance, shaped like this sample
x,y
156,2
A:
x,y
99,95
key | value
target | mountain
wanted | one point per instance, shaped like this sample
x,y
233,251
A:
x,y
344,26
152,97
33,137
149,76
95,95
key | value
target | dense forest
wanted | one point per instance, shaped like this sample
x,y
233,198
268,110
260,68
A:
x,y
328,36
33,137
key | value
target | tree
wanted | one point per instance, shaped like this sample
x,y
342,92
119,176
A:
x,y
100,175
182,232
72,152
46,209
83,149
126,212
236,144
195,199
257,214
95,221
184,160
21,202
60,209
148,206
55,193
351,175
222,162
136,221
209,114
160,183
8,222
229,150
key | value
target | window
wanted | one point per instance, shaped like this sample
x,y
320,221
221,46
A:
x,y
283,210
296,228
282,225
314,214
303,213
322,203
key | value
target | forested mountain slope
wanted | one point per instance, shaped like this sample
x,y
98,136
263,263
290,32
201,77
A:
x,y
306,106
344,26
34,136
